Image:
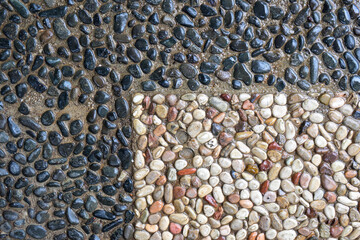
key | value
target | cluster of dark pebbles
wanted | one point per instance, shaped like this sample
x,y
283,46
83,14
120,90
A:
x,y
65,157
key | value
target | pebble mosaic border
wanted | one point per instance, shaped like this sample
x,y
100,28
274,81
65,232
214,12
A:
x,y
246,166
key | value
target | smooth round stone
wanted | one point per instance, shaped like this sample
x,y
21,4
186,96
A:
x,y
279,111
330,212
285,172
310,104
336,102
36,231
203,173
266,101
287,235
225,162
316,117
338,166
289,130
256,197
287,186
320,141
271,234
314,184
290,223
204,137
194,129
290,146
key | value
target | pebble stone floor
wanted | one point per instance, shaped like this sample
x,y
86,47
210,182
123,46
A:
x,y
162,119
270,166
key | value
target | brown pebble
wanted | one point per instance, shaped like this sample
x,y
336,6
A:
x,y
146,102
172,114
265,165
252,236
295,178
153,141
310,212
161,181
219,118
99,81
191,193
225,138
330,157
159,130
156,207
350,174
178,192
247,105
211,112
234,198
330,197
264,186
196,182
283,202
328,183
336,231
46,36
168,156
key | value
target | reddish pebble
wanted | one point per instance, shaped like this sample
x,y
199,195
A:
x,y
226,97
211,201
156,207
160,130
305,180
152,108
146,102
243,116
172,114
350,174
264,186
153,141
191,193
295,178
252,236
161,181
217,215
168,156
328,182
221,238
225,138
330,197
175,228
330,157
247,105
148,156
179,192
265,165
211,112
196,182
274,146
261,236
219,118
186,171
234,198
304,231
310,212
336,231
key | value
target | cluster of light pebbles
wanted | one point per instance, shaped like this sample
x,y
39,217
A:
x,y
246,166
